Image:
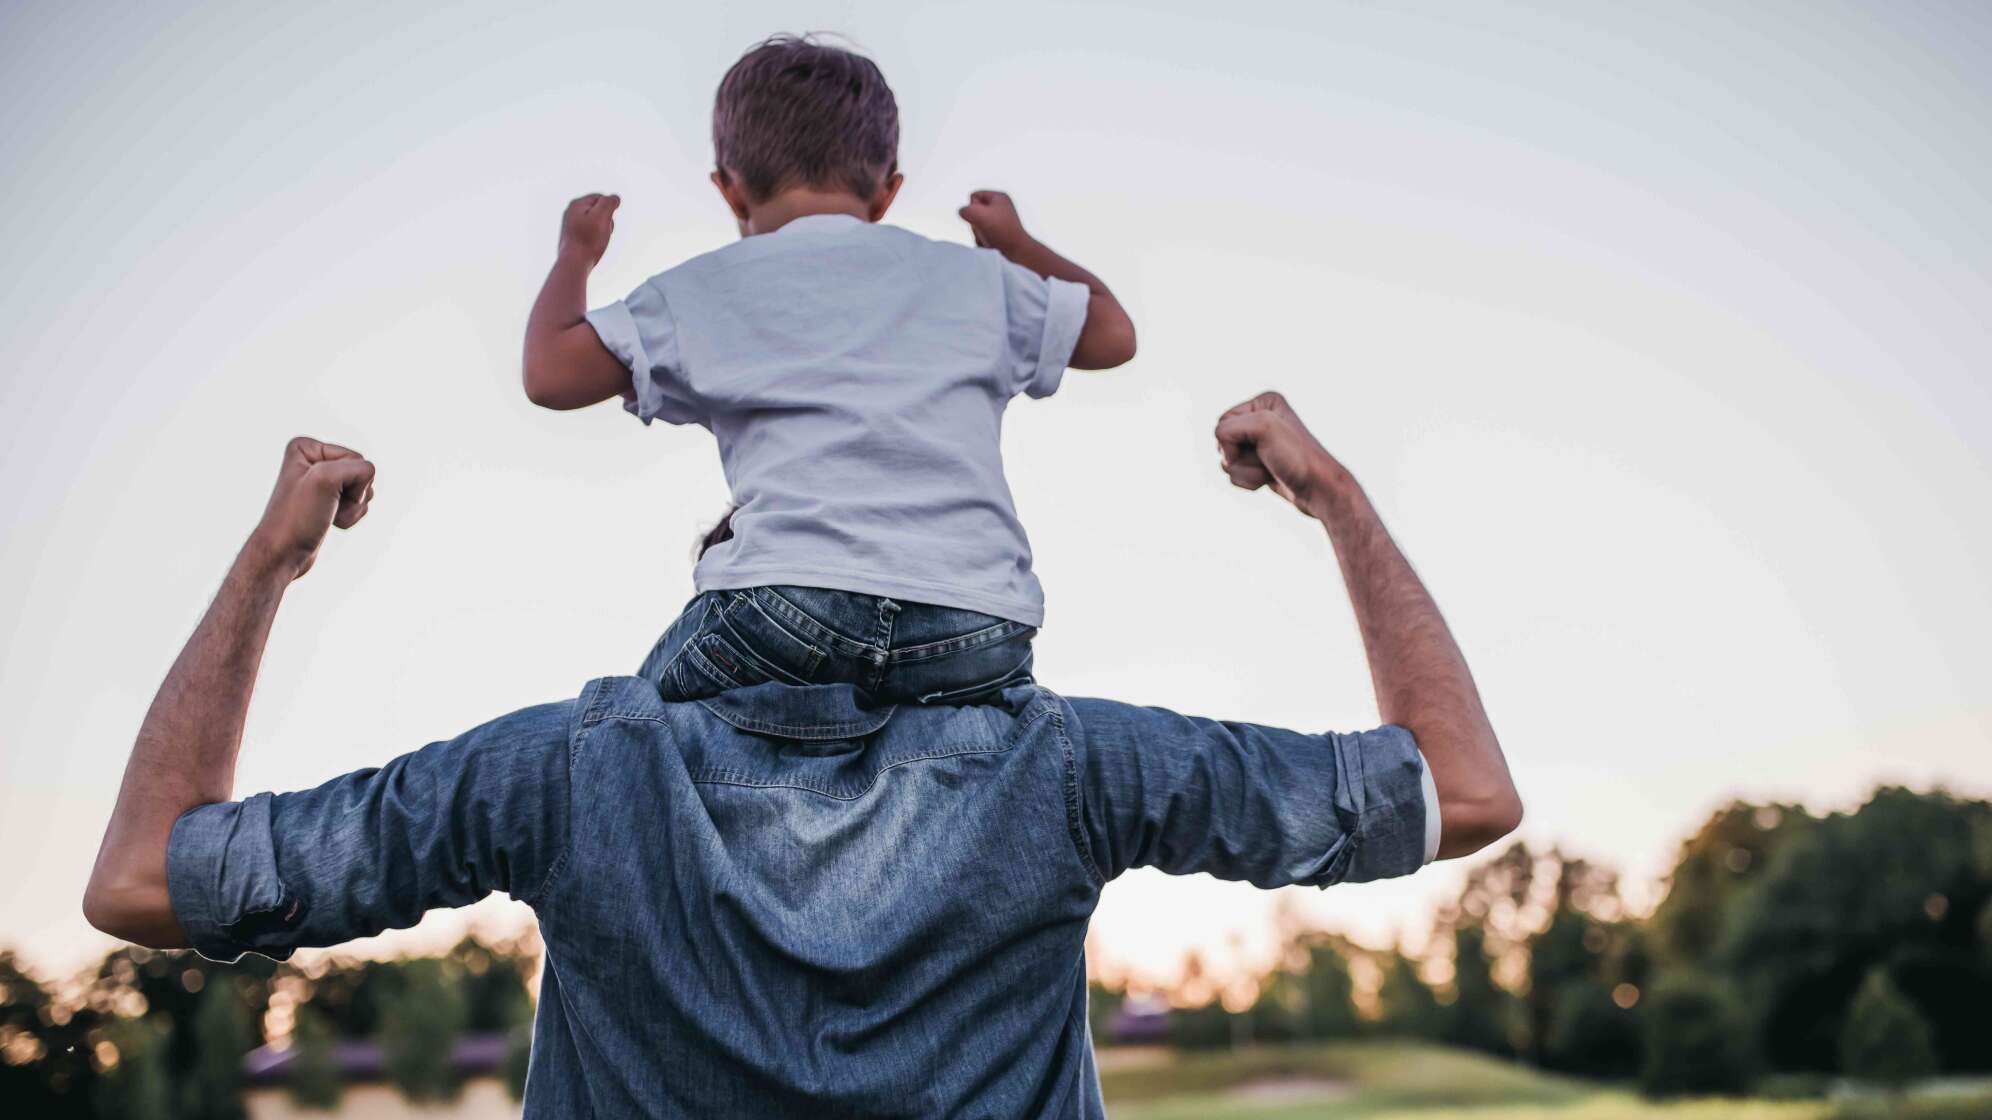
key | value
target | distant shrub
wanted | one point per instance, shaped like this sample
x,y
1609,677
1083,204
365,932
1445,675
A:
x,y
1590,1034
418,1032
1208,1027
1794,1086
315,1081
1695,1042
1885,1039
518,1060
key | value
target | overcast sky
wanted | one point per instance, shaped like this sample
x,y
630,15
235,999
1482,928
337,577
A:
x,y
1659,335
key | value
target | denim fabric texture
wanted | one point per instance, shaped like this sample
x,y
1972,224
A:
x,y
892,652
782,900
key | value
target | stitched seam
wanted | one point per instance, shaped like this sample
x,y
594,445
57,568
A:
x,y
732,777
597,701
1074,824
821,730
814,655
769,667
567,841
816,631
1002,631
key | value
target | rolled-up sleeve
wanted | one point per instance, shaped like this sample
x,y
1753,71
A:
x,y
376,849
1243,801
1045,318
641,332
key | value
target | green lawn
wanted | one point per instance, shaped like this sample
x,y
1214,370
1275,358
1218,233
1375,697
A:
x,y
1384,1080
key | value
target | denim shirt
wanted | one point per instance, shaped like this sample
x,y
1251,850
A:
x,y
777,902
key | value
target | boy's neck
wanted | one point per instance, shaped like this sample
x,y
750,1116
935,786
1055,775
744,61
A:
x,y
783,207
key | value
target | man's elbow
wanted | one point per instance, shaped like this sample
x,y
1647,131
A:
x,y
140,915
107,911
1467,827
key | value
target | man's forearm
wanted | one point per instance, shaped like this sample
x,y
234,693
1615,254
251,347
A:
x,y
186,750
1421,679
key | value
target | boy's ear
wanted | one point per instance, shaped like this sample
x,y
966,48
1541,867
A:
x,y
887,191
736,199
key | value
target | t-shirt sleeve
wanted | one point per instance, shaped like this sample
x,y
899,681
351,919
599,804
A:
x,y
1244,801
1045,318
642,334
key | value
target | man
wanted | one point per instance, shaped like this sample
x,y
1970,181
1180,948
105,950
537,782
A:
x,y
778,901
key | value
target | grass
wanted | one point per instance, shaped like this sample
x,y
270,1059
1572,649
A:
x,y
1388,1080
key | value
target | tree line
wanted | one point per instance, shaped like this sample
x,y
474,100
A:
x,y
1789,948
164,1034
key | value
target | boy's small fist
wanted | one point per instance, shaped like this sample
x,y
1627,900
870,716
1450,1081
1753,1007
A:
x,y
586,226
992,217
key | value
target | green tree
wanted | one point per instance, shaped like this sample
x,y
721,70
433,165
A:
x,y
1409,1007
212,1090
418,1031
1695,1041
1985,932
1725,855
1897,882
1590,1034
1209,1027
1279,1013
315,1080
172,987
494,986
1102,1004
518,1061
1328,994
45,1069
1482,1015
1885,1039
138,1086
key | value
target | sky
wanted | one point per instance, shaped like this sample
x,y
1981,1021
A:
x,y
1658,334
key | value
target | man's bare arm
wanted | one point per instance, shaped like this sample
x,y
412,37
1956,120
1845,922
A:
x,y
566,366
187,746
1421,679
1107,339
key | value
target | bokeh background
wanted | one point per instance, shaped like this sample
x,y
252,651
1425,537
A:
x,y
1657,333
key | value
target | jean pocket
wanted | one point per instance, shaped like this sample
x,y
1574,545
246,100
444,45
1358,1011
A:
x,y
776,650
708,666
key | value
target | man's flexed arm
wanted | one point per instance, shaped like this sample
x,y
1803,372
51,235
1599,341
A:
x,y
186,748
1421,679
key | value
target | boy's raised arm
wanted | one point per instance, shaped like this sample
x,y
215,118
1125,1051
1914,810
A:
x,y
566,365
1107,340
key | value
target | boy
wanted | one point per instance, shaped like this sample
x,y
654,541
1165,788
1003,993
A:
x,y
855,376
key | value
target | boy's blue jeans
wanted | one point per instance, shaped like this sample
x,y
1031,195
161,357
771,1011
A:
x,y
893,652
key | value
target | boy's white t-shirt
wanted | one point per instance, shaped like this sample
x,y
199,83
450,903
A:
x,y
855,376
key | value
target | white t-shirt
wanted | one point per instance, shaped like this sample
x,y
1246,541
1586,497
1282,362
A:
x,y
855,376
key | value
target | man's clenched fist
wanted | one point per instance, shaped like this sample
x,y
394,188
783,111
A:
x,y
320,485
1262,443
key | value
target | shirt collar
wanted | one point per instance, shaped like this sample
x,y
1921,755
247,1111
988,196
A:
x,y
818,221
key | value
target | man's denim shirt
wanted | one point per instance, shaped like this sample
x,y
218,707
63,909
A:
x,y
778,903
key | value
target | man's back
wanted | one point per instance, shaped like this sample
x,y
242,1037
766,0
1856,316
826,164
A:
x,y
775,902
811,923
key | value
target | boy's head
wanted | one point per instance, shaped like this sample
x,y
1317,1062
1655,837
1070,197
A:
x,y
797,113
